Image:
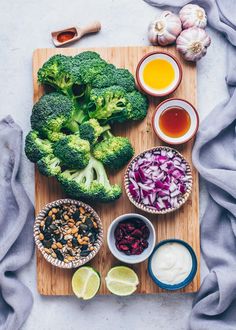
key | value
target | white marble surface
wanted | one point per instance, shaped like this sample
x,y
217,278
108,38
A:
x,y
26,25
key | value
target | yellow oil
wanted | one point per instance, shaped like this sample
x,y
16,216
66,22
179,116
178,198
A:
x,y
158,74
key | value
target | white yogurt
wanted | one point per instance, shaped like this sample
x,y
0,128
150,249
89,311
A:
x,y
171,263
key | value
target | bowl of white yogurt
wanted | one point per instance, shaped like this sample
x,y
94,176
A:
x,y
172,264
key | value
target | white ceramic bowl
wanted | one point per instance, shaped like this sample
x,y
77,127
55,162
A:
x,y
180,103
159,55
131,259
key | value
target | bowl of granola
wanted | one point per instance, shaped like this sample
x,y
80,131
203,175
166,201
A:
x,y
68,233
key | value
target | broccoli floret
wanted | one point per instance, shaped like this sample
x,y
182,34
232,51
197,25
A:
x,y
114,104
109,104
91,130
49,165
65,73
110,76
54,136
87,55
105,78
114,151
139,105
73,151
52,113
91,183
35,147
57,72
89,69
125,79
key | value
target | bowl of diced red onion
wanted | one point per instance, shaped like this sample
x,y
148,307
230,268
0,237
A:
x,y
158,180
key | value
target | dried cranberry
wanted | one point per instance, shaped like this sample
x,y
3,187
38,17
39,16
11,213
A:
x,y
123,241
135,245
137,233
129,239
144,244
123,227
131,236
123,247
119,234
130,227
137,251
145,232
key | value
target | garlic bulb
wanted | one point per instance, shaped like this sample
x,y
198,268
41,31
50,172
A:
x,y
192,43
164,29
193,15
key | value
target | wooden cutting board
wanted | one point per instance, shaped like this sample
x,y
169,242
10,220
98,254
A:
x,y
182,224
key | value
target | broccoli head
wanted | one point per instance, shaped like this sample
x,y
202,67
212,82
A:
x,y
67,74
139,105
84,56
35,147
114,104
49,165
105,78
114,151
112,76
70,137
91,130
91,183
73,151
58,73
109,104
89,69
125,79
52,113
54,136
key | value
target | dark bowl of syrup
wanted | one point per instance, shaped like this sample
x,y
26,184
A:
x,y
175,121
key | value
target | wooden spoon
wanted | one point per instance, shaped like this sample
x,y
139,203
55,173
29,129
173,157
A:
x,y
74,33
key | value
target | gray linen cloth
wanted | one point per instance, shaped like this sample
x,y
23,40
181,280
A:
x,y
16,230
214,155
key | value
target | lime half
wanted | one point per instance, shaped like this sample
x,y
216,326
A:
x,y
122,281
85,282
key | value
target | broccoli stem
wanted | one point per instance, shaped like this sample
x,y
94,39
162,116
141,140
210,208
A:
x,y
80,115
93,171
106,129
107,134
73,126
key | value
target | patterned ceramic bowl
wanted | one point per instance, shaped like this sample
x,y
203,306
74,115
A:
x,y
146,208
79,261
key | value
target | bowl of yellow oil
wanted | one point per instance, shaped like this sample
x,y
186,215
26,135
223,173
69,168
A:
x,y
158,74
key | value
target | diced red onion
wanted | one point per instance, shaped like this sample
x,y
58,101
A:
x,y
158,179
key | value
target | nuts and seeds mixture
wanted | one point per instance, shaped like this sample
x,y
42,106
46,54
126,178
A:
x,y
68,232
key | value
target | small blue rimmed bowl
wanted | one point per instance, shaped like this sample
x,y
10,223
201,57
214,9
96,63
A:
x,y
187,280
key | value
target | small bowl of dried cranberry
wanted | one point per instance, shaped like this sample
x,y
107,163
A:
x,y
131,238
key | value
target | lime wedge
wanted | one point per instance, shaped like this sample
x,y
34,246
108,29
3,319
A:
x,y
122,281
85,282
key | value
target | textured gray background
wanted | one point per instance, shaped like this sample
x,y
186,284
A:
x,y
26,25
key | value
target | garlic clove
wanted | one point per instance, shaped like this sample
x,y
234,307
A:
x,y
162,39
192,43
193,16
164,29
152,35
